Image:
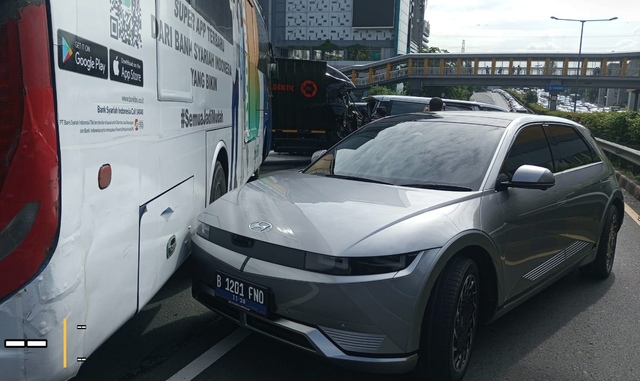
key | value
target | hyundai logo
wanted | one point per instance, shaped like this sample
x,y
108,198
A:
x,y
260,226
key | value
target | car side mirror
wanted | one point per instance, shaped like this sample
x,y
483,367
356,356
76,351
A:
x,y
527,177
316,155
273,68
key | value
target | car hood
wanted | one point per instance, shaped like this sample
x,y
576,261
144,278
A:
x,y
332,216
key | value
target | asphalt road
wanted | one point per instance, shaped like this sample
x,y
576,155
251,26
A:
x,y
577,329
491,98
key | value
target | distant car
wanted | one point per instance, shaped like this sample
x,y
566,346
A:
x,y
400,104
388,251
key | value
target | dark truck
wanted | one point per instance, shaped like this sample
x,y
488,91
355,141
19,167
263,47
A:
x,y
312,108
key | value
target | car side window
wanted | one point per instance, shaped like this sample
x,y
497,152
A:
x,y
568,148
530,147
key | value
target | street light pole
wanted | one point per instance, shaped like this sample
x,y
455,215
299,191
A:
x,y
575,98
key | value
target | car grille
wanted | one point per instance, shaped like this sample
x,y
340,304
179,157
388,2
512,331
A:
x,y
354,342
278,332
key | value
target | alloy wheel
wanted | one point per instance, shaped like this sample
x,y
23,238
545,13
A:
x,y
465,323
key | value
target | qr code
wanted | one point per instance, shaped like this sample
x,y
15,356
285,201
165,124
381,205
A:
x,y
126,22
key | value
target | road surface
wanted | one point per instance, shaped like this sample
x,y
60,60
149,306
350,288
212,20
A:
x,y
577,329
490,98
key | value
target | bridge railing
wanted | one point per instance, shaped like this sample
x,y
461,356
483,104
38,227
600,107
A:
x,y
627,156
554,65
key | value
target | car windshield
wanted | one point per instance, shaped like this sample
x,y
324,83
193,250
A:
x,y
417,151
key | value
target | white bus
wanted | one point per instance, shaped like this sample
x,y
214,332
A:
x,y
120,121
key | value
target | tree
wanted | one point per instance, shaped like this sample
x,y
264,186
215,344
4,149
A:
x,y
326,47
450,92
432,49
381,90
530,97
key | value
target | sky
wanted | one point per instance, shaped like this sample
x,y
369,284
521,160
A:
x,y
525,26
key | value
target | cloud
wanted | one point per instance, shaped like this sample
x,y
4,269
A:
x,y
627,44
547,46
504,26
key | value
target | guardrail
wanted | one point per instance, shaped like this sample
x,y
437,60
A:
x,y
627,156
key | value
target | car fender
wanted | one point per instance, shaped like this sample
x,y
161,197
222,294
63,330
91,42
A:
x,y
442,256
615,195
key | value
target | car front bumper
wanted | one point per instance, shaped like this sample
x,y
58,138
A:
x,y
361,323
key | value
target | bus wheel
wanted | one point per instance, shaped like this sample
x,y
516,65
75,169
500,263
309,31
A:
x,y
219,184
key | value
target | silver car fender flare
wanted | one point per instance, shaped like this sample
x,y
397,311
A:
x,y
455,245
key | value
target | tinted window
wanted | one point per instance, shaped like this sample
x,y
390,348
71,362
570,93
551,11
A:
x,y
218,13
530,147
568,148
263,44
406,151
457,107
399,107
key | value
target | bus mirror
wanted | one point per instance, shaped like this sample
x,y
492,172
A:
x,y
273,67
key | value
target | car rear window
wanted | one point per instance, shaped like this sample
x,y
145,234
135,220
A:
x,y
400,107
414,152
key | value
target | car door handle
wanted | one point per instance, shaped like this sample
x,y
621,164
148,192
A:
x,y
604,182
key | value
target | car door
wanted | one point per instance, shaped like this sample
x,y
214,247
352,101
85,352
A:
x,y
580,171
531,235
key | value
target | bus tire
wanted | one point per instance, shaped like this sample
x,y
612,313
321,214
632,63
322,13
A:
x,y
219,183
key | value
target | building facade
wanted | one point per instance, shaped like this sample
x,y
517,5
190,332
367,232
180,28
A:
x,y
346,30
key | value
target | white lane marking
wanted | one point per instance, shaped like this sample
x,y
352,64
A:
x,y
634,216
14,344
214,354
37,343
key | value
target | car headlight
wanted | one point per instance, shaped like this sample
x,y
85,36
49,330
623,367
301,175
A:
x,y
203,230
357,266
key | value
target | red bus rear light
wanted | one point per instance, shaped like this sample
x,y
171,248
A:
x,y
11,96
29,173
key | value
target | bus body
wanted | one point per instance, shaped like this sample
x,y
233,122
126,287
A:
x,y
120,121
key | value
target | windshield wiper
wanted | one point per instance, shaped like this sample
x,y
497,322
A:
x,y
444,187
356,178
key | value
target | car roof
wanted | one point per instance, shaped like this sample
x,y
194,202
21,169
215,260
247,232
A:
x,y
425,100
495,119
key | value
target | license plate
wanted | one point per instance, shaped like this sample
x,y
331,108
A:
x,y
242,294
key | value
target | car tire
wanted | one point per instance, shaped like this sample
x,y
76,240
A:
x,y
450,323
219,183
602,265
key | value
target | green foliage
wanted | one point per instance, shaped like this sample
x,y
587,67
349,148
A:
x,y
531,97
381,90
406,89
450,92
622,127
432,49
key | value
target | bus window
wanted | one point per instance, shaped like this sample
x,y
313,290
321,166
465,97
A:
x,y
218,13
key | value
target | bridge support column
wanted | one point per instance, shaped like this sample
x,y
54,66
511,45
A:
x,y
415,85
601,94
634,97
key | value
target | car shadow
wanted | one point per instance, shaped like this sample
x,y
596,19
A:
x,y
179,281
138,349
503,343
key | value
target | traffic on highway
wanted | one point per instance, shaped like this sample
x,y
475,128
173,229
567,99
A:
x,y
267,190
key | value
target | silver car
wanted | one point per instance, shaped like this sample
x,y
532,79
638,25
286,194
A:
x,y
388,251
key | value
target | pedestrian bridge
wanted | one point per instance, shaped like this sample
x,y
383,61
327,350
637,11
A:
x,y
608,70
